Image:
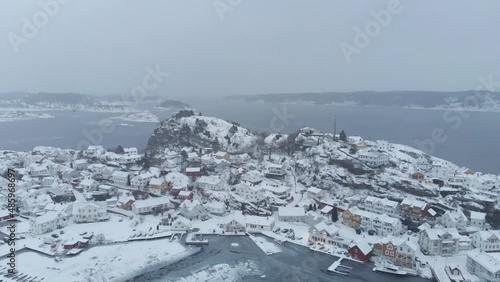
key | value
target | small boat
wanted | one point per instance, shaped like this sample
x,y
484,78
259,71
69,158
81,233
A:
x,y
389,268
278,241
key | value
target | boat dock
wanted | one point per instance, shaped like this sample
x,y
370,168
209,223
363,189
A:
x,y
338,268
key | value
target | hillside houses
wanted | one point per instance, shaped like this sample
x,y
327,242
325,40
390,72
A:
x,y
191,209
252,194
381,206
414,209
487,241
382,225
454,219
141,181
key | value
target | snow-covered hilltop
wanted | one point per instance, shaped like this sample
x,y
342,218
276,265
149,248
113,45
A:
x,y
18,115
188,129
145,116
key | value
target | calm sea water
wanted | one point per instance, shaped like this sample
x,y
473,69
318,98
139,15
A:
x,y
471,141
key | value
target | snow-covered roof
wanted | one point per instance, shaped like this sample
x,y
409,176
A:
x,y
212,180
490,261
120,173
88,182
47,217
291,211
437,233
156,181
477,215
330,229
151,202
259,220
363,246
385,202
314,190
185,193
215,205
192,169
413,202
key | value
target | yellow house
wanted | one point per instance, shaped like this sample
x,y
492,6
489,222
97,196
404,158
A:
x,y
222,155
351,220
159,186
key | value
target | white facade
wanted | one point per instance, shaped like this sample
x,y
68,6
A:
x,y
382,224
454,219
120,177
89,184
80,164
373,158
141,181
217,208
250,193
90,212
477,219
48,222
440,241
209,183
291,214
180,224
259,223
191,209
381,206
275,169
484,265
151,204
488,241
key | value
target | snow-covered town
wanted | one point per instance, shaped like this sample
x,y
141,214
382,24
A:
x,y
93,212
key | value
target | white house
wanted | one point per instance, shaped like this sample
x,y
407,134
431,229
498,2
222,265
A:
x,y
250,193
90,212
291,214
191,209
454,219
315,193
373,158
439,241
48,222
120,178
180,224
259,223
381,206
484,265
89,184
110,190
80,164
217,208
141,181
151,205
328,234
477,219
209,183
383,145
488,241
275,170
131,151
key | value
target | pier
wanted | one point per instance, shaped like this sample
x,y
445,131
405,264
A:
x,y
338,268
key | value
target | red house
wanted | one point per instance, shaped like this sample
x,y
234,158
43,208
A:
x,y
175,191
185,195
193,172
360,251
128,205
71,244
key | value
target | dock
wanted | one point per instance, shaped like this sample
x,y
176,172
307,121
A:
x,y
338,268
192,239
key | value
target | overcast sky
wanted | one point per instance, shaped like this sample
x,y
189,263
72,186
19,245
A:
x,y
260,46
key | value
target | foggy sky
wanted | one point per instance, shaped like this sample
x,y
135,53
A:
x,y
261,46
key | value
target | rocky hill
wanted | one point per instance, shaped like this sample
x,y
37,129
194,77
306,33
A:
x,y
185,129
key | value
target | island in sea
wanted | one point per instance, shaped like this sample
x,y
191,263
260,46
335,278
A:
x,y
173,105
19,115
145,116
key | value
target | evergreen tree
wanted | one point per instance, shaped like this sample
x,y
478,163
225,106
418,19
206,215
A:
x,y
335,215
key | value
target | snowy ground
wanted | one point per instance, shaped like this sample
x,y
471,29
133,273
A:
x,y
105,263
